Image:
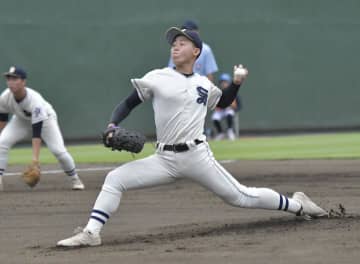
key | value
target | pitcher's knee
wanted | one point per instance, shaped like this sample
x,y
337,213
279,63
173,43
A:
x,y
114,182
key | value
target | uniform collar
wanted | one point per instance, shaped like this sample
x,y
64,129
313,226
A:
x,y
187,75
22,100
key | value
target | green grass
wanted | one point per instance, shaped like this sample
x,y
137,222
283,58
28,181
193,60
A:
x,y
315,146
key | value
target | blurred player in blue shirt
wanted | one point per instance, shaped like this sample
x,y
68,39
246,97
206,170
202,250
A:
x,y
227,113
205,65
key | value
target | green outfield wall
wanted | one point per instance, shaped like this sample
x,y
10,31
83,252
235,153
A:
x,y
303,56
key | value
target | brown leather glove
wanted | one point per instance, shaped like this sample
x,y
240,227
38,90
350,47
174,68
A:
x,y
31,175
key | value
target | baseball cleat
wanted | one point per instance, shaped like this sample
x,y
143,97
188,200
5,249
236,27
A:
x,y
83,239
309,209
220,136
76,184
231,134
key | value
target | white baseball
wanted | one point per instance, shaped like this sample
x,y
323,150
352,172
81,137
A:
x,y
240,72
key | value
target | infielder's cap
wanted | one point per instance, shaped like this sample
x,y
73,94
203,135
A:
x,y
190,24
16,71
225,77
173,32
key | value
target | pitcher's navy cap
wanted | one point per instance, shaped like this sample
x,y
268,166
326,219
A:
x,y
190,24
16,71
173,32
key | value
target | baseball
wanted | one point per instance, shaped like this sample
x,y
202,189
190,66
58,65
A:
x,y
241,72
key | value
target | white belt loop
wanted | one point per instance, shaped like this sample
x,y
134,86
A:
x,y
160,146
191,144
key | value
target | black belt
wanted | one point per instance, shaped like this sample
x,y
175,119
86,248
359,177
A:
x,y
179,147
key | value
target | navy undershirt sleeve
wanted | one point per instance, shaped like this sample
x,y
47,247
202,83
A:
x,y
228,95
36,129
123,109
4,117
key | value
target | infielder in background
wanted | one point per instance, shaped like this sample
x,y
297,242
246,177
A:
x,y
31,116
205,65
180,99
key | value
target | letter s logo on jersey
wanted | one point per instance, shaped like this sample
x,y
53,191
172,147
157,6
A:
x,y
203,95
37,112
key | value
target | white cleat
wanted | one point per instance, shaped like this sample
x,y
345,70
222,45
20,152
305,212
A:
x,y
309,209
220,136
76,184
231,134
83,239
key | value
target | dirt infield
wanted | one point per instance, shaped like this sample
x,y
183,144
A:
x,y
184,223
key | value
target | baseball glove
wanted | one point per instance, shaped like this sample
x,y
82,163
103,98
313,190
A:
x,y
31,175
118,138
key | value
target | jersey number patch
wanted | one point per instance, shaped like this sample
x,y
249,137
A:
x,y
37,111
203,95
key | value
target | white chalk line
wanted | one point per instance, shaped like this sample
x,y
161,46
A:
x,y
90,169
61,171
226,161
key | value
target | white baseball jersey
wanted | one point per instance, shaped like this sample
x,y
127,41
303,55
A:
x,y
180,103
31,110
33,107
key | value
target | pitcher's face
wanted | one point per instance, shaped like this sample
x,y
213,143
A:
x,y
183,51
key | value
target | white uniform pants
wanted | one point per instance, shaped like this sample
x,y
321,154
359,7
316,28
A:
x,y
197,164
19,129
218,115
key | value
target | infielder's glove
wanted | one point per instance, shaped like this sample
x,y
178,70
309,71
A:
x,y
118,138
31,175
